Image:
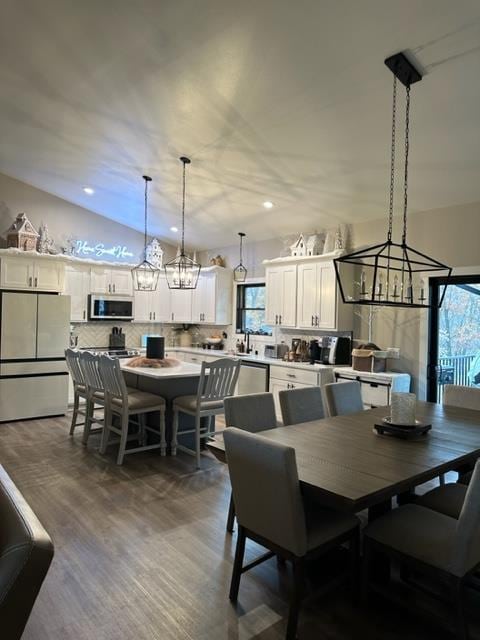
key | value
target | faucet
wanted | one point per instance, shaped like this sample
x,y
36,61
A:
x,y
247,342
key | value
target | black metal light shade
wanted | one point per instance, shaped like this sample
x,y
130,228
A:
x,y
145,275
182,272
391,274
240,271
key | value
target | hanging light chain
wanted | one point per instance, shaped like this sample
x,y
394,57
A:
x,y
183,210
407,149
145,231
392,158
241,248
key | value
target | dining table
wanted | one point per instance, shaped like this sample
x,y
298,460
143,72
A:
x,y
353,468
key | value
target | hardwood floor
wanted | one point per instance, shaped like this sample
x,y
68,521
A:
x,y
141,552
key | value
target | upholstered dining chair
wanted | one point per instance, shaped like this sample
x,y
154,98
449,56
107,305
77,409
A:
x,y
72,358
95,393
124,402
432,544
303,404
217,380
343,398
251,412
272,512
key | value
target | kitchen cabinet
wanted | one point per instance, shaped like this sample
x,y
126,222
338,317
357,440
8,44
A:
x,y
31,274
317,296
111,281
181,305
281,295
77,286
153,306
212,299
376,388
284,378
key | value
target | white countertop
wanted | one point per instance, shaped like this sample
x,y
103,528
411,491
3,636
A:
x,y
184,370
386,375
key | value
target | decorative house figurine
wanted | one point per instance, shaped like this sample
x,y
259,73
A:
x,y
22,234
306,246
154,253
45,242
339,244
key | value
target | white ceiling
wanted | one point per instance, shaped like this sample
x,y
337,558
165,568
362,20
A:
x,y
286,100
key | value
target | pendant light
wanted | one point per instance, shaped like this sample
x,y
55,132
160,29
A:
x,y
240,272
182,272
145,275
391,274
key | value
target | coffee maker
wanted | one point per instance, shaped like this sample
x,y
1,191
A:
x,y
334,350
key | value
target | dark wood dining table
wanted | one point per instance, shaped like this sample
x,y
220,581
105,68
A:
x,y
353,468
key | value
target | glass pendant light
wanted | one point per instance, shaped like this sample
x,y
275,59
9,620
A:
x,y
145,275
182,272
392,273
240,272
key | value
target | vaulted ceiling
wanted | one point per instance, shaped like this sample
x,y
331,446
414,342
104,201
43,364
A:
x,y
280,100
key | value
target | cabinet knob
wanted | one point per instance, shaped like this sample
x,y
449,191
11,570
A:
x,y
316,321
154,315
84,314
30,281
291,375
114,288
279,319
276,319
313,320
36,281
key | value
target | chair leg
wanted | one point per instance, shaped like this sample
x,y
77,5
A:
x,y
106,430
197,441
441,479
297,597
88,421
142,432
367,558
237,564
163,440
76,400
123,438
231,515
174,432
459,610
355,563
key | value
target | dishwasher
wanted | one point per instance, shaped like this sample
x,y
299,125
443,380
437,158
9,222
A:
x,y
253,378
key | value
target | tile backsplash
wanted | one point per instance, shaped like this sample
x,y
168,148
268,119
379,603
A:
x,y
95,334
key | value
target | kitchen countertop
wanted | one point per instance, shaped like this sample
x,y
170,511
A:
x,y
385,375
184,370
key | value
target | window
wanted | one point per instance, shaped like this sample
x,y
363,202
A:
x,y
251,309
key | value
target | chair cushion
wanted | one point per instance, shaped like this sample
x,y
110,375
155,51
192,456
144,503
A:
x,y
190,404
140,400
324,525
447,499
417,532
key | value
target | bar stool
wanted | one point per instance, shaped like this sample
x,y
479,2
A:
x,y
79,388
94,393
124,402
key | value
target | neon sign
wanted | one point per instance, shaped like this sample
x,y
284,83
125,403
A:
x,y
99,250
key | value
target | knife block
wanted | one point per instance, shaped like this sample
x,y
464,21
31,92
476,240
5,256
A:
x,y
116,341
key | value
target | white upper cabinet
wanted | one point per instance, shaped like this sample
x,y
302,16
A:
x,y
181,305
212,299
153,306
77,286
317,296
31,274
111,281
281,298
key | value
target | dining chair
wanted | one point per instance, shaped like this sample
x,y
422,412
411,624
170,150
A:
x,y
72,358
343,398
217,380
447,499
272,513
301,405
432,544
94,392
124,402
251,412
455,395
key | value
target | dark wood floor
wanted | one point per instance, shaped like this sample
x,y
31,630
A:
x,y
142,553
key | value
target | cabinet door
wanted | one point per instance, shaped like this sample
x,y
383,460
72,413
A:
x,y
19,326
121,282
181,305
160,302
48,275
204,300
142,311
307,295
288,309
327,291
77,286
16,273
273,286
100,280
275,387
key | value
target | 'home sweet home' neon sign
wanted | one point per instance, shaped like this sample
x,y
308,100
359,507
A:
x,y
99,250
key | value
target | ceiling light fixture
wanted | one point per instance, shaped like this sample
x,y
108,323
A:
x,y
182,272
391,274
267,204
89,191
145,275
240,272
174,229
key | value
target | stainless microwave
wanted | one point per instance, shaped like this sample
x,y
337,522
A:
x,y
110,308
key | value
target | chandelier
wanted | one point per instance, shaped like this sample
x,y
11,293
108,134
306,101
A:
x,y
182,272
240,271
145,275
391,274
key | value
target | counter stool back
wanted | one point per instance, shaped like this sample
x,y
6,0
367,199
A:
x,y
94,390
72,358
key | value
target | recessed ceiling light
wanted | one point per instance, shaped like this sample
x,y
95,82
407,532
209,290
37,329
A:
x,y
89,191
174,229
267,204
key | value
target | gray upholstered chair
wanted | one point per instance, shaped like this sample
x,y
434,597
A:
x,y
432,543
301,405
272,512
447,499
252,412
72,358
94,392
217,380
343,398
26,552
455,395
124,402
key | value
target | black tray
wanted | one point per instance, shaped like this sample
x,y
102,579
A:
x,y
405,432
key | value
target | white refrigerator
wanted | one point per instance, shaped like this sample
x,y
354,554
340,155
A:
x,y
34,333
